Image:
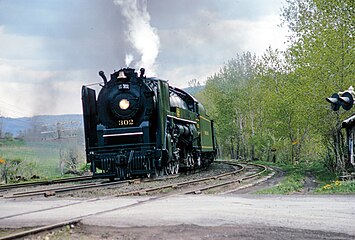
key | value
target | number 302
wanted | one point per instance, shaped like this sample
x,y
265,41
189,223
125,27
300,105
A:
x,y
125,122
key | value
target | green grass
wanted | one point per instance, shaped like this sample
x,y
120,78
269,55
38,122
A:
x,y
295,176
343,187
45,156
293,181
266,173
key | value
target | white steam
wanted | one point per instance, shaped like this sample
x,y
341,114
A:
x,y
128,59
140,34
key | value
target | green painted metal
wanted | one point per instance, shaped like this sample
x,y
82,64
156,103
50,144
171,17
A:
x,y
163,109
206,133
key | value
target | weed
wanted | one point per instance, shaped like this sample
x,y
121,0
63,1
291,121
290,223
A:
x,y
293,182
296,175
337,187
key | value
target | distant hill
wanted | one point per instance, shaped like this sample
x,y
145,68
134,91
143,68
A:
x,y
194,90
17,125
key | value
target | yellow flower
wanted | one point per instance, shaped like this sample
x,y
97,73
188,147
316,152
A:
x,y
2,161
337,183
328,186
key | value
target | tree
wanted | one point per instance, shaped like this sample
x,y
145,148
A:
x,y
276,103
322,56
226,98
194,83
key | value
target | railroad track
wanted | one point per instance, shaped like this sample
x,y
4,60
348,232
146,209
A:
x,y
92,185
230,182
40,229
196,190
185,183
199,190
47,192
52,191
45,182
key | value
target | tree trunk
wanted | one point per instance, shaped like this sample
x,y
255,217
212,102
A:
x,y
252,152
232,149
243,152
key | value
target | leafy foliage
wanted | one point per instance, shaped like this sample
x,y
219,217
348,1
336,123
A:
x,y
273,107
71,159
338,187
13,170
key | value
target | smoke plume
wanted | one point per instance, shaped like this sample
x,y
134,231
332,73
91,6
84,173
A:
x,y
128,59
140,34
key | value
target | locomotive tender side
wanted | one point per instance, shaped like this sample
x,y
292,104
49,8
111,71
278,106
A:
x,y
143,126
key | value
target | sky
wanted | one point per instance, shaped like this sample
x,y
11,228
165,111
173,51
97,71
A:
x,y
50,48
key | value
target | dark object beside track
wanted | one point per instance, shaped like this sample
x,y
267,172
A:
x,y
143,126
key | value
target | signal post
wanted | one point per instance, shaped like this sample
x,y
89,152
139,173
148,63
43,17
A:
x,y
346,101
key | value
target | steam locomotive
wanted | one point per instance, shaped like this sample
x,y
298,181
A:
x,y
140,126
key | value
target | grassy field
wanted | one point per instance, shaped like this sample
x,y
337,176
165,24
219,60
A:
x,y
42,157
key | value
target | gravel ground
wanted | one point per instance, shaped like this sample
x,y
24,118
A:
x,y
193,232
287,209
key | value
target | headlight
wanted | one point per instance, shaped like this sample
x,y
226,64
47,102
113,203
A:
x,y
124,104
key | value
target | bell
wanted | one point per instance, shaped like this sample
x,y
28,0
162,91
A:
x,y
121,75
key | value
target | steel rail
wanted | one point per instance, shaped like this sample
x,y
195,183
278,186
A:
x,y
54,191
199,190
45,182
40,229
176,185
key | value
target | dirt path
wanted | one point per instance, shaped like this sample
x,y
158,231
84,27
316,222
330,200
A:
x,y
248,232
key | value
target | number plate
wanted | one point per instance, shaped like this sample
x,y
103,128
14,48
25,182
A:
x,y
126,122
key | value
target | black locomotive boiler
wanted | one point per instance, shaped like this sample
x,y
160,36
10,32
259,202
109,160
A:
x,y
142,126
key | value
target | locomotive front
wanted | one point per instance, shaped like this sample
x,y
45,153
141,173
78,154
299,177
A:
x,y
125,100
118,125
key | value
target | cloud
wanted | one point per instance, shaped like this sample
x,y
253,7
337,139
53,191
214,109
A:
x,y
179,76
221,38
19,48
47,56
27,92
210,42
50,48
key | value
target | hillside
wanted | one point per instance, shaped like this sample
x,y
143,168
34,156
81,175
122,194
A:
x,y
17,125
194,90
